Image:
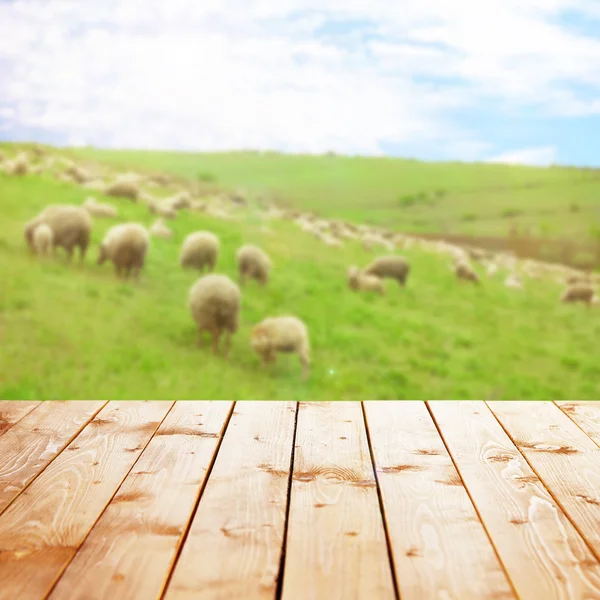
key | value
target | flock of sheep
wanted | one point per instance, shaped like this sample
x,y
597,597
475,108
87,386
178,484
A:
x,y
214,300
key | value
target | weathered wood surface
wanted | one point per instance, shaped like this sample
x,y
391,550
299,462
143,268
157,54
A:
x,y
271,500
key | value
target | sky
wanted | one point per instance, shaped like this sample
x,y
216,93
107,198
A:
x,y
514,81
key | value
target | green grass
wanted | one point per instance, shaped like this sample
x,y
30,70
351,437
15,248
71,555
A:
x,y
407,194
73,332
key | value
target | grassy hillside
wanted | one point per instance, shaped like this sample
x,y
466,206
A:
x,y
474,199
69,332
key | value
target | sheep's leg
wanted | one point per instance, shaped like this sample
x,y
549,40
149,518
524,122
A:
x,y
69,252
199,338
305,364
82,253
118,271
227,344
216,340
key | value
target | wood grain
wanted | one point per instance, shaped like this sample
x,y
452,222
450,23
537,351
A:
x,y
542,552
439,546
42,529
12,411
130,551
586,415
563,457
336,546
234,544
34,442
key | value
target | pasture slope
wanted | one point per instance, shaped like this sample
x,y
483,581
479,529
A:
x,y
73,332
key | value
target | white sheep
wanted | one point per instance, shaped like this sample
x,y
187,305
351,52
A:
x,y
359,281
159,229
513,281
71,228
43,240
214,302
98,209
199,250
254,263
126,245
282,334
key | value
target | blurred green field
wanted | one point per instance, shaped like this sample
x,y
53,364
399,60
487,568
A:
x,y
475,199
75,332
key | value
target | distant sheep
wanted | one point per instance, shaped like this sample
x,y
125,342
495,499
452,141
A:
x,y
214,302
43,240
331,241
253,263
163,210
391,266
18,166
513,281
123,188
98,209
465,272
199,250
126,245
282,334
492,268
77,174
579,292
159,229
71,228
358,281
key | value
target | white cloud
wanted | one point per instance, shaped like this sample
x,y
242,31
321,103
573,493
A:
x,y
222,74
542,157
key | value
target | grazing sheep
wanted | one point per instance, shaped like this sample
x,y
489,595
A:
x,y
579,292
123,188
71,227
18,166
281,334
126,245
159,229
513,281
331,241
179,201
98,209
95,184
161,209
77,174
465,272
358,281
214,302
200,249
391,266
492,268
253,263
43,240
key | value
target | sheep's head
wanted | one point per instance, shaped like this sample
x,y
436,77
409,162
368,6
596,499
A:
x,y
259,340
352,274
28,232
102,256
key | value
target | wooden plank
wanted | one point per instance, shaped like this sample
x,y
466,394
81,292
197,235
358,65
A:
x,y
542,552
439,546
234,544
42,529
130,551
563,457
12,411
586,414
34,442
336,544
